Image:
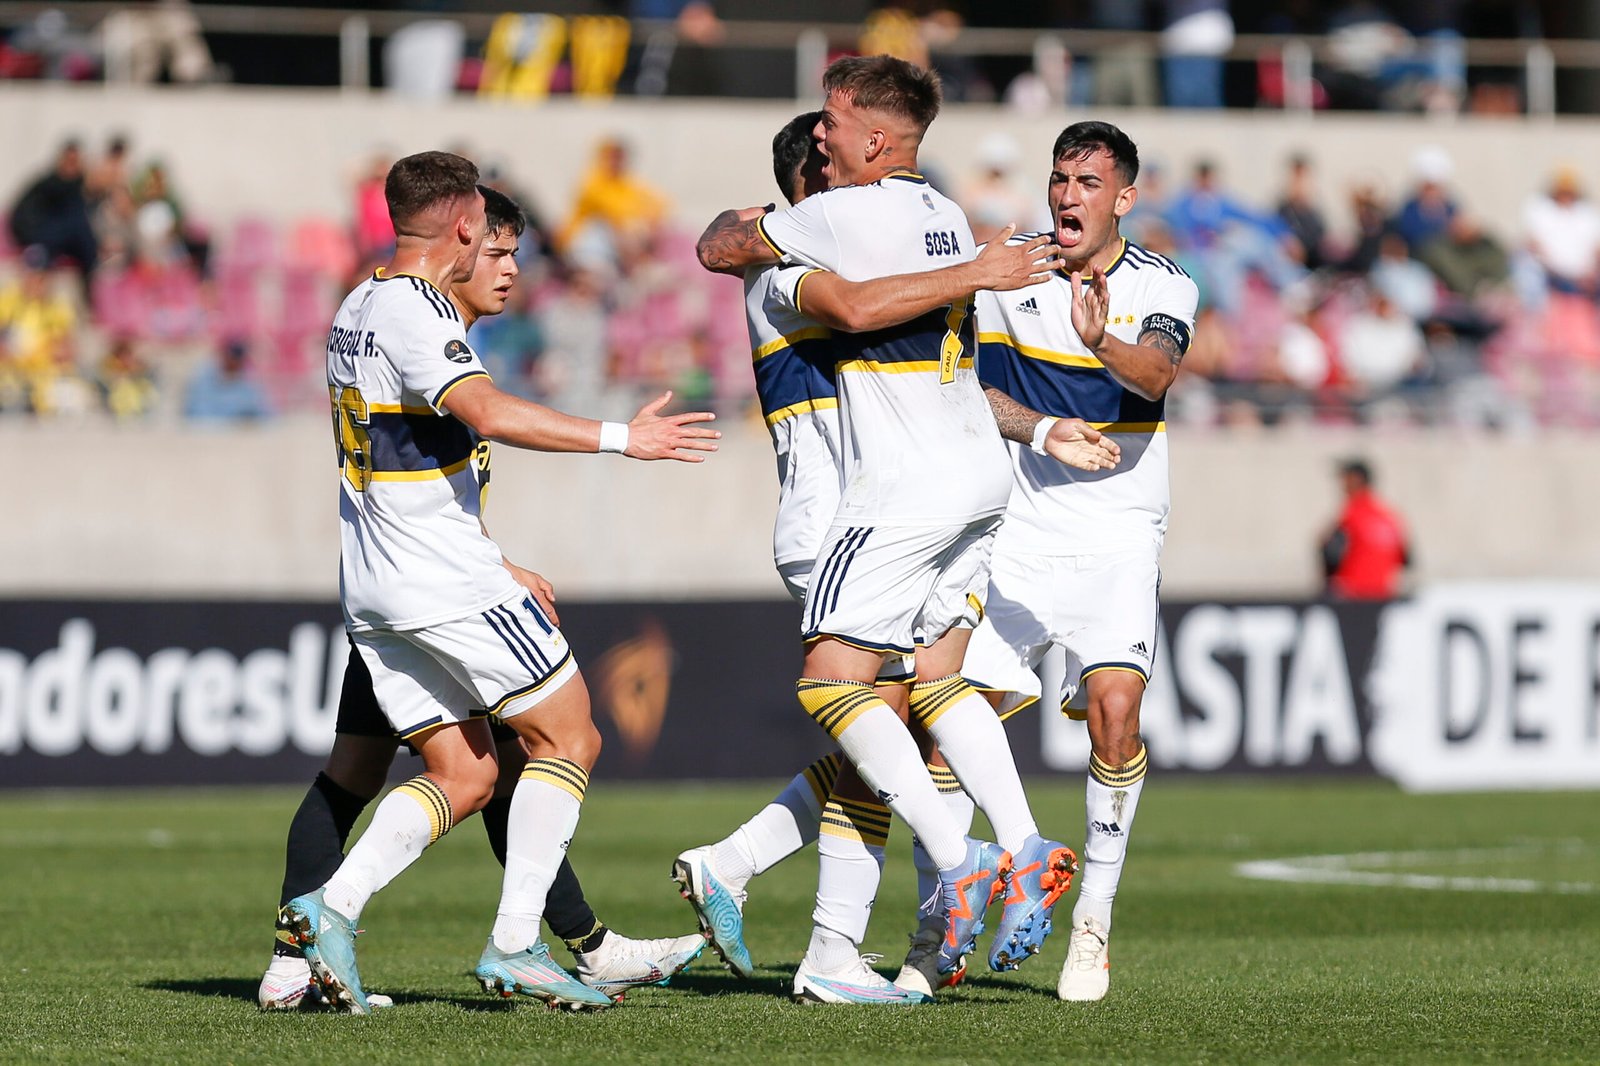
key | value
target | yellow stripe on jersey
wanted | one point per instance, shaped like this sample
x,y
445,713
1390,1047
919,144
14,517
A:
x,y
826,403
800,285
401,409
1042,354
1130,427
762,230
904,366
381,275
420,475
810,333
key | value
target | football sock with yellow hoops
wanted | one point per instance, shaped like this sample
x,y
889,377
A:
x,y
973,741
544,814
1112,798
412,816
785,825
880,747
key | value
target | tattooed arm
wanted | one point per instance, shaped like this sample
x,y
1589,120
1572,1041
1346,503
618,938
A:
x,y
1149,365
733,242
1069,440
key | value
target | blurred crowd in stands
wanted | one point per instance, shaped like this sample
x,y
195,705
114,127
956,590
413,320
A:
x,y
114,299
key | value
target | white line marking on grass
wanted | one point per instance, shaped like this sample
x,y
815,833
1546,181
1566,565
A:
x,y
1356,869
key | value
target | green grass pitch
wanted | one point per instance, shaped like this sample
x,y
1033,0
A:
x,y
134,927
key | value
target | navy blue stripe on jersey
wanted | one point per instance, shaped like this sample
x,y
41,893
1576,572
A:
x,y
789,376
922,338
1138,256
418,442
440,303
1089,393
453,382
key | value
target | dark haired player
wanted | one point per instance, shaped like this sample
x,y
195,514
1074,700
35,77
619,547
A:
x,y
1076,563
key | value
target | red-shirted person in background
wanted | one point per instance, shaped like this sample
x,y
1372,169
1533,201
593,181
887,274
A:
x,y
1367,548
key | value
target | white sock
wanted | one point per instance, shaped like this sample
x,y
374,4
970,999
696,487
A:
x,y
1111,799
849,866
779,829
959,804
973,741
880,747
544,814
829,951
412,816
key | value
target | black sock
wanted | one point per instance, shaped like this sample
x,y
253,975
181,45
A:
x,y
495,813
569,914
316,842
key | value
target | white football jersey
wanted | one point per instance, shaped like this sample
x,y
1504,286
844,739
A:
x,y
793,362
919,441
413,551
1029,350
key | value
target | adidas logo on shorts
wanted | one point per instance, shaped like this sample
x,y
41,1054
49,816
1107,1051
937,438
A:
x,y
1030,306
1138,648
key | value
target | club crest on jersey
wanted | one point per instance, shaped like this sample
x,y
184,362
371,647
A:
x,y
928,201
457,352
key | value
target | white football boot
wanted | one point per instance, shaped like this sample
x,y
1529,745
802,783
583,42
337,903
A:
x,y
1086,975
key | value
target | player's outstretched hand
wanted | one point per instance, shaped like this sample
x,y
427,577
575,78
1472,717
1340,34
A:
x,y
1003,266
652,435
1078,444
1091,305
541,589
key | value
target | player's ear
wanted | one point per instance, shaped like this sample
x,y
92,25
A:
x,y
1125,200
877,140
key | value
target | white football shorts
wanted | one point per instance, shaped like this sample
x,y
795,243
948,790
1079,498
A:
x,y
890,588
499,662
1100,608
896,669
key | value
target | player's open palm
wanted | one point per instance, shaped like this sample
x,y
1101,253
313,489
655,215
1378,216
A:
x,y
652,435
1078,444
1003,266
1091,307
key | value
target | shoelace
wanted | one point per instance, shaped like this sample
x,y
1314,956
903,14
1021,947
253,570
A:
x,y
1084,951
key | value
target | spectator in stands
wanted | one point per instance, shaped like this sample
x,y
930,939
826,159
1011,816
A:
x,y
1228,239
993,200
1381,349
1366,551
35,316
1372,223
1467,259
52,213
1407,284
1563,232
127,387
224,391
614,204
1196,37
374,233
1430,207
1298,210
57,387
162,38
165,233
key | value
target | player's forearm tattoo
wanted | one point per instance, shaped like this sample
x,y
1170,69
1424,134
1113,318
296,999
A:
x,y
1016,421
1155,338
729,244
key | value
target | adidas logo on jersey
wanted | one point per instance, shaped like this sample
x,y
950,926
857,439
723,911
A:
x,y
1030,306
1138,648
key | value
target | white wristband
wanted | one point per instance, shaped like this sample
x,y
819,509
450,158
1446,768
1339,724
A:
x,y
614,437
1040,432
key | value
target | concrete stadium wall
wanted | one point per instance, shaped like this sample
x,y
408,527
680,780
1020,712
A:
x,y
102,511
287,153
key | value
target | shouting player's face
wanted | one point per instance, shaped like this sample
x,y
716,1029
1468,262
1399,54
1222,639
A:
x,y
489,288
1087,198
847,138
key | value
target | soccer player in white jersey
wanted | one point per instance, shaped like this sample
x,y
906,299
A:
x,y
925,482
364,747
1077,561
438,619
793,358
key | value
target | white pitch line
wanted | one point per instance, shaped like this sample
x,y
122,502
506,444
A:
x,y
1340,870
